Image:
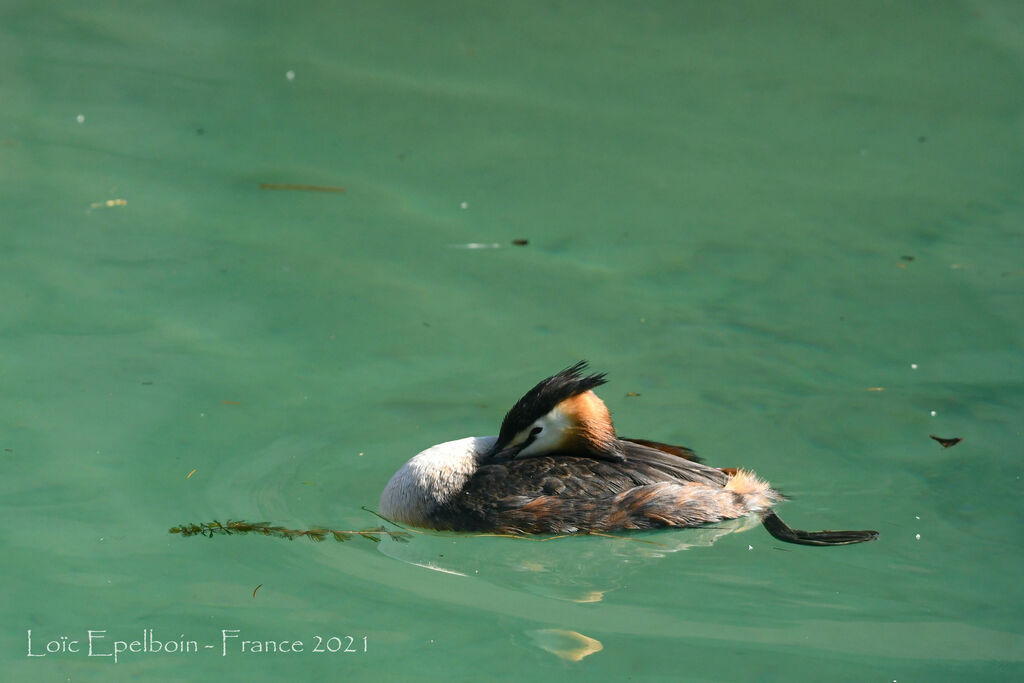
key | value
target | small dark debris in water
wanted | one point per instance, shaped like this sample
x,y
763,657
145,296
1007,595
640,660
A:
x,y
631,394
256,589
520,242
922,138
426,324
147,383
946,443
907,258
8,450
200,131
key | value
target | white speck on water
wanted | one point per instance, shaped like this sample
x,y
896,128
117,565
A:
x,y
750,547
464,205
290,75
934,413
913,366
917,537
917,516
80,118
476,245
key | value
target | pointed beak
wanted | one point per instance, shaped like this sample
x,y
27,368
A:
x,y
499,451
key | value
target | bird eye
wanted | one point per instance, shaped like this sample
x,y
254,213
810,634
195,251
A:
x,y
536,430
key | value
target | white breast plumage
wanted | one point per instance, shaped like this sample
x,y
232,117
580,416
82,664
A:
x,y
430,479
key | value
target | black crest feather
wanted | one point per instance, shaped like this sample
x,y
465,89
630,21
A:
x,y
548,393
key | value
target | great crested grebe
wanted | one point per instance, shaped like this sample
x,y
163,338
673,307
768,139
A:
x,y
557,466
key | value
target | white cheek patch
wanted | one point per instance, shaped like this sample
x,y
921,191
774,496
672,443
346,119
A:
x,y
553,426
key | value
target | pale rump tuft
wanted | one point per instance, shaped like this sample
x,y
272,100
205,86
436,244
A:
x,y
758,494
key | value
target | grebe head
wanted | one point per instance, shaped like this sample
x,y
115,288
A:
x,y
560,414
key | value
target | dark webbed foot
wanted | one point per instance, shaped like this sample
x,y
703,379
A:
x,y
782,531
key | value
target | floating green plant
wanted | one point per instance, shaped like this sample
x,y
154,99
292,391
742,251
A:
x,y
210,529
214,528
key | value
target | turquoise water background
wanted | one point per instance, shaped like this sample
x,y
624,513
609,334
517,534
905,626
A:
x,y
790,232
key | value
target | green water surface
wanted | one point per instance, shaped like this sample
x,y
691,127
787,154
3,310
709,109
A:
x,y
790,232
